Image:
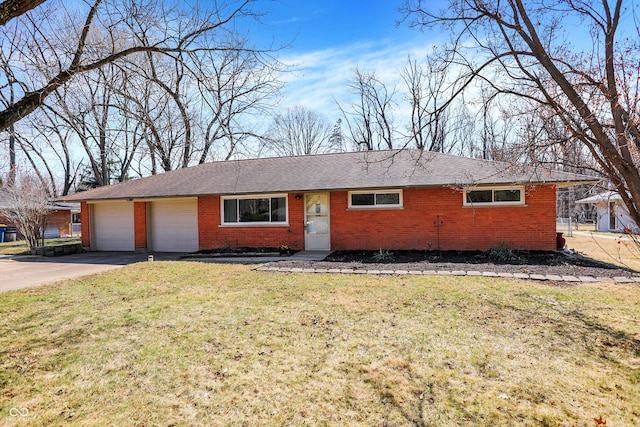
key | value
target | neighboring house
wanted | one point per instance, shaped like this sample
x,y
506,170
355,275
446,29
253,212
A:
x,y
612,214
404,199
61,219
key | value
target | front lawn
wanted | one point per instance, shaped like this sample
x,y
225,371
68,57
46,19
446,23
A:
x,y
615,248
20,247
14,248
186,344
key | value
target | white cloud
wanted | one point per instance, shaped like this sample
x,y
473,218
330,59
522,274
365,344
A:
x,y
319,77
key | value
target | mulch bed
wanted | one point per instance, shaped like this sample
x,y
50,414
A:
x,y
242,250
528,262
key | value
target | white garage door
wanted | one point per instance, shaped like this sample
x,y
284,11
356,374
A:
x,y
174,225
51,232
112,226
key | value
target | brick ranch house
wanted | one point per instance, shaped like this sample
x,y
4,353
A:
x,y
399,199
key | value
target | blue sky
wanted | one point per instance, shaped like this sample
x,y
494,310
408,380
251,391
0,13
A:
x,y
317,24
329,39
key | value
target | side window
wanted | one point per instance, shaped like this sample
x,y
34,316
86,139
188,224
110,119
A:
x,y
494,196
375,199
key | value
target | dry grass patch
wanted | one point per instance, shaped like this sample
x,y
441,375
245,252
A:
x,y
613,248
13,248
20,247
201,344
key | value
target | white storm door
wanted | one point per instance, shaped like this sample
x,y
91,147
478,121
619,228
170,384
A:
x,y
174,225
112,226
317,236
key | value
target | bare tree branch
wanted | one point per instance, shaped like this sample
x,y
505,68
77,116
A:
x,y
10,9
521,51
82,63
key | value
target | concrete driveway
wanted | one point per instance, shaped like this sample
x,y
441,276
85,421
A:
x,y
18,272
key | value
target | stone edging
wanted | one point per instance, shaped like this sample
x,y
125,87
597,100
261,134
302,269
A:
x,y
540,277
58,250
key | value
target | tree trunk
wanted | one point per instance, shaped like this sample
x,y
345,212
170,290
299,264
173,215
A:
x,y
10,9
11,179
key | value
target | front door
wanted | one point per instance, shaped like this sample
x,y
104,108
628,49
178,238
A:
x,y
317,236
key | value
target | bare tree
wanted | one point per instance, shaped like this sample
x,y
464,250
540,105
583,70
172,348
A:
x,y
11,85
369,118
88,107
148,121
235,87
152,81
168,101
27,207
544,139
462,128
427,89
521,50
359,124
496,135
337,137
299,131
108,32
52,144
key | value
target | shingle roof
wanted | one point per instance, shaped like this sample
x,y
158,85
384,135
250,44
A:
x,y
6,202
340,171
606,196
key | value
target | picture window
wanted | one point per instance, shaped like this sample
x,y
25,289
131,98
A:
x,y
254,210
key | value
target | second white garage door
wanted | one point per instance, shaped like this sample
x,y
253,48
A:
x,y
174,225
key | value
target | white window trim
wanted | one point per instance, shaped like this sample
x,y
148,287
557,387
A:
x,y
374,192
521,202
255,224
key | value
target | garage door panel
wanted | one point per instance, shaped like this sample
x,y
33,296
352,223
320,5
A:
x,y
113,226
174,226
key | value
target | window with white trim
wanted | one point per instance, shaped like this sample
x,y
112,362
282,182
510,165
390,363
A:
x,y
494,196
375,199
254,210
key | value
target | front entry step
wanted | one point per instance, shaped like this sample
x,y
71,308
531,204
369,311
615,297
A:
x,y
309,255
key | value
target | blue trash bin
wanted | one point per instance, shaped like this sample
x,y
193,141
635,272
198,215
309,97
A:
x,y
2,230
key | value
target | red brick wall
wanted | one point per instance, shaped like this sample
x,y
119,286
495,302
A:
x,y
213,235
84,224
430,219
62,220
140,224
435,219
6,221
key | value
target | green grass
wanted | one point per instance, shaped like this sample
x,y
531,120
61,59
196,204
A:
x,y
20,246
191,344
13,248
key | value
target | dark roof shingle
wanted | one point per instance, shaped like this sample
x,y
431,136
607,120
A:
x,y
340,171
